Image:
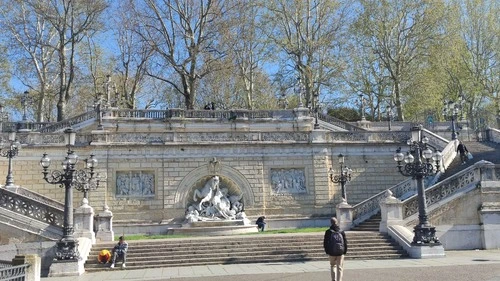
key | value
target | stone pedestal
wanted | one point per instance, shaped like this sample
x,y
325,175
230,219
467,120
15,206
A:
x,y
60,268
84,221
391,210
490,219
34,270
104,225
344,215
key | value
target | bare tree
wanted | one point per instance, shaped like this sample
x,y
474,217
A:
x,y
183,36
309,33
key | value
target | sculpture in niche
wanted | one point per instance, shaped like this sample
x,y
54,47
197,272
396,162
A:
x,y
135,183
214,202
291,181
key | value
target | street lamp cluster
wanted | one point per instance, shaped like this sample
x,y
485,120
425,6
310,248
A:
x,y
452,110
420,161
10,150
343,177
69,177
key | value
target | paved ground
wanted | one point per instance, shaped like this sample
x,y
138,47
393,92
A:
x,y
456,266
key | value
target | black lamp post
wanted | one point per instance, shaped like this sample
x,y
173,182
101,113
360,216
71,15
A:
x,y
10,150
418,165
345,176
451,110
24,103
69,177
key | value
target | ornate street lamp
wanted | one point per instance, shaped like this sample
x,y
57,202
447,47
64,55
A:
x,y
418,165
345,176
24,103
10,150
69,177
451,110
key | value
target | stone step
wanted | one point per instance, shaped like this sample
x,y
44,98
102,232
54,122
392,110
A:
x,y
241,249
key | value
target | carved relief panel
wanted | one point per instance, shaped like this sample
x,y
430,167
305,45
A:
x,y
135,184
288,181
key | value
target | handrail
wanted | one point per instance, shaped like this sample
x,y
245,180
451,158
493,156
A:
x,y
448,187
369,207
17,272
38,197
69,122
339,123
32,208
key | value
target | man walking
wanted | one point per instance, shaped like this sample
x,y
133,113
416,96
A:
x,y
335,244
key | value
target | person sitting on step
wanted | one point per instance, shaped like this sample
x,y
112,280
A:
x,y
120,251
261,223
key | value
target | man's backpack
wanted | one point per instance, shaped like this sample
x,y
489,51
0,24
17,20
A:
x,y
336,244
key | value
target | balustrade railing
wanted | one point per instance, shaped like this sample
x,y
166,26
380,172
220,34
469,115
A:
x,y
339,123
369,207
471,176
41,211
68,122
13,273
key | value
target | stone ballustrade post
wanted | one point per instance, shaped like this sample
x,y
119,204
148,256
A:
x,y
84,221
105,225
391,210
34,269
344,215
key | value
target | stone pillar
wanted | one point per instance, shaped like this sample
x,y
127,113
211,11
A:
x,y
34,270
391,210
84,221
490,224
105,225
344,215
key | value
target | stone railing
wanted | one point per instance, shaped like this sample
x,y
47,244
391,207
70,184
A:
x,y
450,186
17,272
37,197
32,208
339,123
494,135
68,122
369,207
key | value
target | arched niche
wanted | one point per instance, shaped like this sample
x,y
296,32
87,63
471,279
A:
x,y
229,178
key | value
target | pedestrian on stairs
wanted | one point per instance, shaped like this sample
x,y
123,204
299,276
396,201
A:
x,y
462,149
120,251
335,245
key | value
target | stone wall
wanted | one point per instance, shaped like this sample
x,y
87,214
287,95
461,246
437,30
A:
x,y
178,168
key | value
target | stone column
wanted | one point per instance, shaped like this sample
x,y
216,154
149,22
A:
x,y
105,225
84,221
344,215
391,210
34,270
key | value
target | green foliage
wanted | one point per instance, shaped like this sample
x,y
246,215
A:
x,y
345,113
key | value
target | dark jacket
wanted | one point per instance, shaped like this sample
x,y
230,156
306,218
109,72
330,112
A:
x,y
461,148
328,233
121,248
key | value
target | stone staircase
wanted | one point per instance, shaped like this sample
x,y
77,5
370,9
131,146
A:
x,y
488,151
371,224
262,248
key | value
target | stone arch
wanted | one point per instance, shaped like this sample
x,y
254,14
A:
x,y
225,173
